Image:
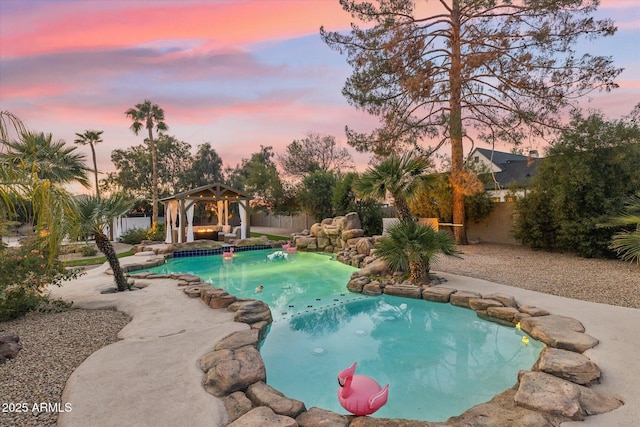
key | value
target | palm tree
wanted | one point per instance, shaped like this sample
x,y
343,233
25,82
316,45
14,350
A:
x,y
401,176
93,214
627,243
91,137
32,173
38,153
148,115
7,121
50,204
412,247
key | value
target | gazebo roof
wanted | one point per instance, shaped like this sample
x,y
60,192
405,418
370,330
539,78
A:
x,y
215,191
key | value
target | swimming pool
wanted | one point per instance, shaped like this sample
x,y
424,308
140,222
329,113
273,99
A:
x,y
438,359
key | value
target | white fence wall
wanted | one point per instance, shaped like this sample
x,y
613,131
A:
x,y
124,224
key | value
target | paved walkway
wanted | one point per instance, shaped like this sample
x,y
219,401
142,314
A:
x,y
151,377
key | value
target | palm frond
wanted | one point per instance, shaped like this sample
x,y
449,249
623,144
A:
x,y
627,245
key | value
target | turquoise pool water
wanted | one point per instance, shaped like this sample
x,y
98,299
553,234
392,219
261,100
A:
x,y
438,360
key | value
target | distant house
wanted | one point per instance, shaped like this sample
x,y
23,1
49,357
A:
x,y
509,172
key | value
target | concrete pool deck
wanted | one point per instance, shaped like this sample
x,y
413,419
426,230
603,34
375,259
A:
x,y
152,377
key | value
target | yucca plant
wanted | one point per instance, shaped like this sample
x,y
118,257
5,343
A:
x,y
413,247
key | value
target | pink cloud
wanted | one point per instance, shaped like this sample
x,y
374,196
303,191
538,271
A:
x,y
222,23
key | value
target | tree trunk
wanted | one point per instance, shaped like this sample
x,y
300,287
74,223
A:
x,y
417,271
154,180
403,208
105,246
455,127
95,168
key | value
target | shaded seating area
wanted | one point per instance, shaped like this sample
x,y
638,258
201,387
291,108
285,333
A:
x,y
213,199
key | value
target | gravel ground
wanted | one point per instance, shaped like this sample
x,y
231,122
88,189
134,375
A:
x,y
597,280
53,346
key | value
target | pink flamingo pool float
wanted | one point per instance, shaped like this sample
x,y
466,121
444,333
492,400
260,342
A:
x,y
359,394
228,255
290,249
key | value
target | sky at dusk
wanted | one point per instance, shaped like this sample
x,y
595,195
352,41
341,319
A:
x,y
236,74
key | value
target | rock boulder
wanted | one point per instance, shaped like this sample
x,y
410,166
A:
x,y
568,365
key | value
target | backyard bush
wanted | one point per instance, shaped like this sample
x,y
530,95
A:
x,y
587,176
133,236
25,272
157,233
370,212
87,251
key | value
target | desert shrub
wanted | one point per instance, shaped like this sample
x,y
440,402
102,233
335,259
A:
x,y
88,250
133,236
370,212
156,234
25,272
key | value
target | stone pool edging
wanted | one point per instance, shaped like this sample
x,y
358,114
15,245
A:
x,y
554,391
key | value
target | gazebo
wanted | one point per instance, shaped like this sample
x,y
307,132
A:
x,y
180,207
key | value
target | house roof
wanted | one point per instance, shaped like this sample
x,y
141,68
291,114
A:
x,y
215,191
519,171
501,158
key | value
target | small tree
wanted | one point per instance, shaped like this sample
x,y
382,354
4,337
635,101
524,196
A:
x,y
259,177
414,247
344,194
315,153
133,174
315,194
92,217
206,168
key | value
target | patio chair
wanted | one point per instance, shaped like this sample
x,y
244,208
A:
x,y
233,235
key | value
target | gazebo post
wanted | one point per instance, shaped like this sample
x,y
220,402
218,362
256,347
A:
x,y
220,212
182,236
244,218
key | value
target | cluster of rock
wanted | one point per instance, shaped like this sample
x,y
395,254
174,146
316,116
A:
x,y
554,391
9,346
342,235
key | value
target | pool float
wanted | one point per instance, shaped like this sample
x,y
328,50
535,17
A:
x,y
228,255
290,249
277,255
359,394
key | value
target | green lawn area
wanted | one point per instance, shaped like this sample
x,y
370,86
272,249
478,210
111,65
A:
x,y
270,236
96,260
